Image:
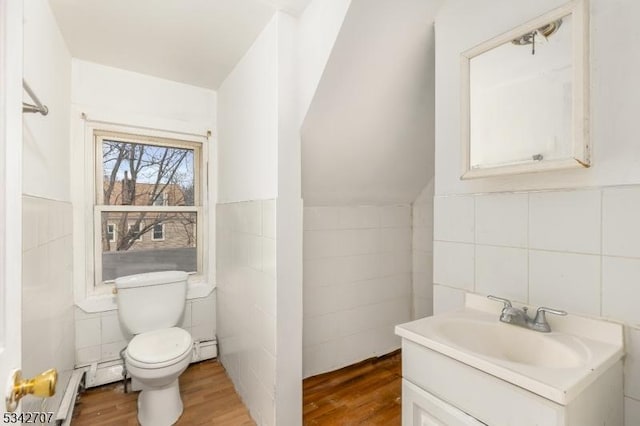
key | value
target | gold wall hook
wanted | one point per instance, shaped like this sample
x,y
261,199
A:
x,y
43,385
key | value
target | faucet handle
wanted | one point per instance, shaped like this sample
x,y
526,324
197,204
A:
x,y
542,310
540,321
507,302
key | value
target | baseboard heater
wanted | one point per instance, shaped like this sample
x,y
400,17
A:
x,y
98,374
75,386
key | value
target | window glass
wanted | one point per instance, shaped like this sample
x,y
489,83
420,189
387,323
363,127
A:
x,y
158,232
161,200
111,232
136,174
133,230
155,241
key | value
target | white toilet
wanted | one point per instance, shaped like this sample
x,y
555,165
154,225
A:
x,y
149,306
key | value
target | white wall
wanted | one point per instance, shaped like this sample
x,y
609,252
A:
x,y
116,96
357,283
140,99
288,230
11,40
368,132
318,28
47,290
422,251
367,141
47,69
260,245
571,249
248,123
248,174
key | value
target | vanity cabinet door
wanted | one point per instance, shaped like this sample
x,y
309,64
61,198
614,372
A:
x,y
420,408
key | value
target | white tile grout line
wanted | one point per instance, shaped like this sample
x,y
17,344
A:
x,y
412,308
528,248
601,249
475,254
545,190
536,249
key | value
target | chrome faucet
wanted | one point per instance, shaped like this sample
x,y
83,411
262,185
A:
x,y
520,317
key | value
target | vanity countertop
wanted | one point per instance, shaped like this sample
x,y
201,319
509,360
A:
x,y
556,365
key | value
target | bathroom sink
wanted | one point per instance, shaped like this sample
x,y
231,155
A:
x,y
513,344
556,365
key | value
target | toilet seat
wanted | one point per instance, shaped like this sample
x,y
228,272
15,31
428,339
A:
x,y
159,348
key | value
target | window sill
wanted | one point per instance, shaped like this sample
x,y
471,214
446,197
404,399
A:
x,y
107,302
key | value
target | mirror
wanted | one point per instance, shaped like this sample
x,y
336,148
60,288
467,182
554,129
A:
x,y
525,97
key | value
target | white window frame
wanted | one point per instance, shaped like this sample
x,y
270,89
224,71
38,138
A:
x,y
114,233
153,232
99,136
95,287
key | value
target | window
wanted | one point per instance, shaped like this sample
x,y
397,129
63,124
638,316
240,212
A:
x,y
134,231
111,232
158,232
146,185
161,199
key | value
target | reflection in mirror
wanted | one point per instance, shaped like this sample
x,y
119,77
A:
x,y
525,97
520,99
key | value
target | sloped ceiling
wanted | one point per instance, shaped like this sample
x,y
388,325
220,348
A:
x,y
368,136
197,42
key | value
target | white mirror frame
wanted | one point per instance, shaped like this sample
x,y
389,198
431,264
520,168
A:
x,y
580,146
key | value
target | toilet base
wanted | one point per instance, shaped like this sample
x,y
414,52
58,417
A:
x,y
160,406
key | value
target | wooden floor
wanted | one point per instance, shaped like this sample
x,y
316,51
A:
x,y
207,393
367,393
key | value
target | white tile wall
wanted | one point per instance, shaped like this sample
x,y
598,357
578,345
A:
x,y
321,218
621,289
620,226
453,219
501,219
364,217
112,330
47,291
269,219
357,283
565,221
447,299
556,278
503,271
422,253
453,264
394,216
86,332
246,290
632,363
631,411
582,252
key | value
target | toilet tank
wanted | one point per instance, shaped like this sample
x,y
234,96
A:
x,y
151,301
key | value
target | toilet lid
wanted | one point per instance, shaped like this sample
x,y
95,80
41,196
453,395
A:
x,y
159,345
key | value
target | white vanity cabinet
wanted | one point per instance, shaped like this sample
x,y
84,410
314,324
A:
x,y
468,368
420,408
438,390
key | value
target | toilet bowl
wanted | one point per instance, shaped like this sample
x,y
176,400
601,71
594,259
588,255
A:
x,y
156,359
149,306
